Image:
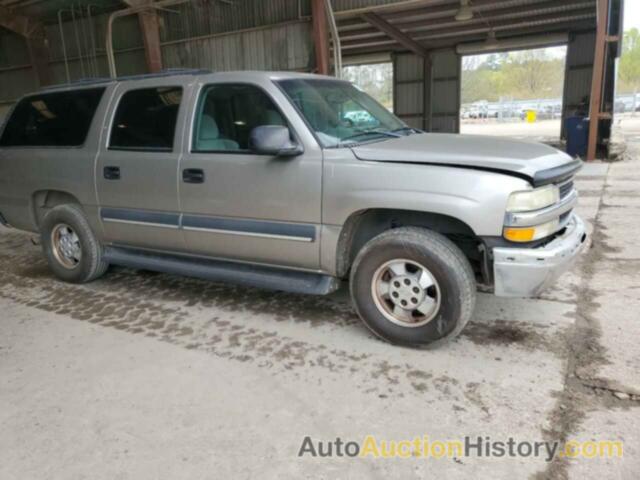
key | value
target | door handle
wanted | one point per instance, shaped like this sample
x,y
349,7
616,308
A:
x,y
193,175
112,173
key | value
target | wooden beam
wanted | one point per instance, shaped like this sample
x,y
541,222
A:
x,y
150,26
597,80
150,29
320,36
395,34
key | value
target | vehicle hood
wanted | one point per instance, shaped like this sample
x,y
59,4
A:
x,y
536,162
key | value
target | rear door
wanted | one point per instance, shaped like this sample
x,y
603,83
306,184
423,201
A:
x,y
240,205
136,174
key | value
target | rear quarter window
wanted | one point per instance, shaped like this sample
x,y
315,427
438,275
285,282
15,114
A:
x,y
60,119
146,119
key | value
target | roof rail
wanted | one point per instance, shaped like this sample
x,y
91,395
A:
x,y
98,80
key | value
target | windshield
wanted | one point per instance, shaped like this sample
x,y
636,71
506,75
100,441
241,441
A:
x,y
341,114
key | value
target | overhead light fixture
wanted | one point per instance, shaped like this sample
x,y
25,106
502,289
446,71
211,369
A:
x,y
464,12
491,40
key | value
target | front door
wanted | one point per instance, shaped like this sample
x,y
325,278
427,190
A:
x,y
240,205
137,166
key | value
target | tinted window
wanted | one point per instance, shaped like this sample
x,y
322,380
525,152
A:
x,y
53,119
228,113
146,119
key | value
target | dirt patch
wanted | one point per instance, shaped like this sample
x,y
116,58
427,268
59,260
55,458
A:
x,y
511,333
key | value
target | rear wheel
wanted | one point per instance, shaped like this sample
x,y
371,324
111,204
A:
x,y
70,246
412,286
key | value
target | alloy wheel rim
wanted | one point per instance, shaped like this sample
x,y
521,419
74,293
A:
x,y
66,246
406,293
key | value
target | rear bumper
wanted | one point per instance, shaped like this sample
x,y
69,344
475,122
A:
x,y
521,272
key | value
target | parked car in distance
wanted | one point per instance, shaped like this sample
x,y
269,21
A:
x,y
264,179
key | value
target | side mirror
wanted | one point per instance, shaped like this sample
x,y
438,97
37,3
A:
x,y
273,140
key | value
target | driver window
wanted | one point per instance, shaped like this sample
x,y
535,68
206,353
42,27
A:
x,y
228,113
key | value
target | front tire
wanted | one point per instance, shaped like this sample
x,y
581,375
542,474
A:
x,y
70,246
413,286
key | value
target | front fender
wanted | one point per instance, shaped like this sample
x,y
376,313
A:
x,y
477,198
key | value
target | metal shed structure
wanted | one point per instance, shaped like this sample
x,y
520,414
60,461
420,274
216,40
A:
x,y
57,41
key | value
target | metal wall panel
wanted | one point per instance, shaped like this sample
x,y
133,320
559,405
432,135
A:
x,y
578,74
408,88
445,92
16,74
285,47
204,17
245,34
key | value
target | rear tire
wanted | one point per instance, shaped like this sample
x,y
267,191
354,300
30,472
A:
x,y
70,246
413,287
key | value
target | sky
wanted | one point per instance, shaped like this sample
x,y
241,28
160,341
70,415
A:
x,y
631,14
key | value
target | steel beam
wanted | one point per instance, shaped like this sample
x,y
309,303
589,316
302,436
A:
x,y
597,81
395,34
320,36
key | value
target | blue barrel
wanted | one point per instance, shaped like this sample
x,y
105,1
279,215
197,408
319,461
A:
x,y
577,132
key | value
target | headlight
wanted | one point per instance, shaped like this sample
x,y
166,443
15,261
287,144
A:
x,y
530,234
535,199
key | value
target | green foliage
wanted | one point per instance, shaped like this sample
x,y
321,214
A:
x,y
523,75
629,66
375,79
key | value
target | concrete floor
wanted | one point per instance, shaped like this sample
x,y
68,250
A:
x,y
540,131
148,376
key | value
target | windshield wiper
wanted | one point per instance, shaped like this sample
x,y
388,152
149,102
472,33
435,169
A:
x,y
369,132
406,129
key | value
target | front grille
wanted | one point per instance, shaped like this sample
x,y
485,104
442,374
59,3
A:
x,y
565,188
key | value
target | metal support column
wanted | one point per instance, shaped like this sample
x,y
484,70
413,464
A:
x,y
320,36
597,82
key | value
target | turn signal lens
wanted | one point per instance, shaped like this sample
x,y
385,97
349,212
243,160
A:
x,y
519,234
529,234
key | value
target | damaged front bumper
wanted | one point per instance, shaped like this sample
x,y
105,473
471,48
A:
x,y
526,272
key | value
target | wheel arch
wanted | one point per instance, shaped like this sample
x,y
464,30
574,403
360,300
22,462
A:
x,y
44,200
363,225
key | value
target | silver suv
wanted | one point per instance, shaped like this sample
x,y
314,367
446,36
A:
x,y
291,182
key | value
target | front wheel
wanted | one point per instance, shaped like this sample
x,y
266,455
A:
x,y
413,286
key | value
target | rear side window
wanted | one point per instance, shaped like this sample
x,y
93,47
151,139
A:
x,y
52,119
146,119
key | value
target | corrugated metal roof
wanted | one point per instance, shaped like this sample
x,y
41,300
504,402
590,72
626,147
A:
x,y
434,25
